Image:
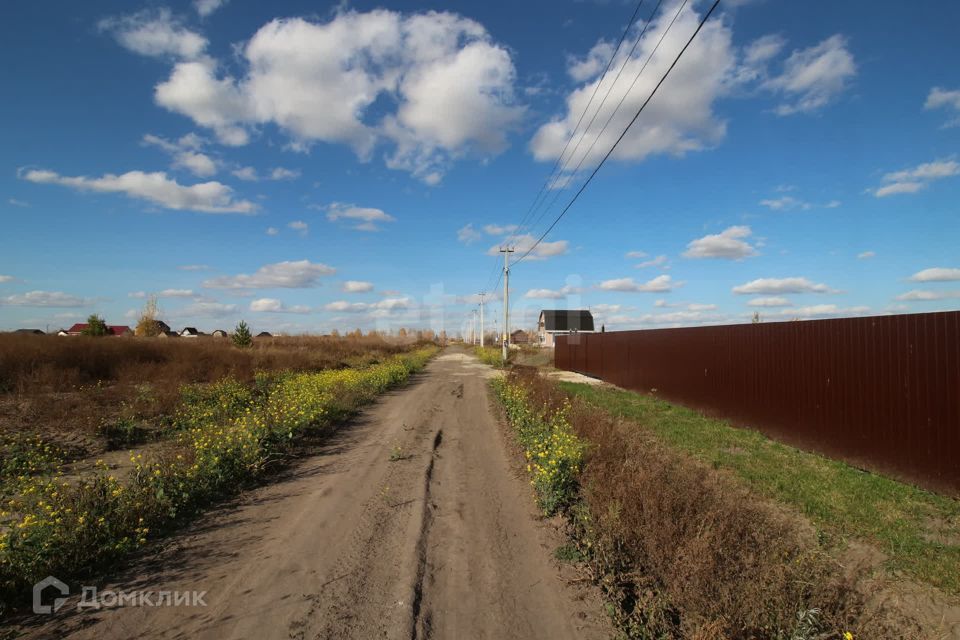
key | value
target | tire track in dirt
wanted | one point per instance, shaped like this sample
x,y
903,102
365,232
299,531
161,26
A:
x,y
411,522
421,624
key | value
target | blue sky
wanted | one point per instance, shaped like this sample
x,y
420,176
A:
x,y
309,166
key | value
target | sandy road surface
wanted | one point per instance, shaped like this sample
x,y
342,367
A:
x,y
442,542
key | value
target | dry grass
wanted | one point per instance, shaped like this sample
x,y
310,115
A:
x,y
30,364
687,550
80,392
918,531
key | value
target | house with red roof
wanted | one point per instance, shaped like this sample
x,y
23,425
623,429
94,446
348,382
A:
x,y
112,330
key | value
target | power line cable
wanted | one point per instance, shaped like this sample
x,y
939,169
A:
x,y
623,134
550,176
586,154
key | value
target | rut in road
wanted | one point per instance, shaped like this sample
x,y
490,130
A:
x,y
410,522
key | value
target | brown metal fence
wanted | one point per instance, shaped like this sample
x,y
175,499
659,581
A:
x,y
881,392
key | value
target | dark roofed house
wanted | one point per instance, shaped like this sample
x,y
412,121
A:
x,y
168,334
219,333
264,334
519,337
189,332
32,332
554,321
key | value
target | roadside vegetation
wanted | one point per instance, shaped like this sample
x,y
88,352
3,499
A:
x,y
492,356
679,548
917,531
229,424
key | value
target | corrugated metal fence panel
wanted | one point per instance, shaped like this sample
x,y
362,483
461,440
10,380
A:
x,y
881,392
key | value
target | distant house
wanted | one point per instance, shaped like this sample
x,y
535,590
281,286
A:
x,y
32,332
189,332
219,333
168,334
112,330
519,337
62,332
162,326
264,334
562,321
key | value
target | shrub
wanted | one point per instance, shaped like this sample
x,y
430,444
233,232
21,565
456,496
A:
x,y
95,326
241,335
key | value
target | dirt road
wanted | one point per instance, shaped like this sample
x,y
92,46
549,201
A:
x,y
412,522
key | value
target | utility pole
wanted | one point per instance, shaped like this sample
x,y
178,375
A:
x,y
482,293
506,251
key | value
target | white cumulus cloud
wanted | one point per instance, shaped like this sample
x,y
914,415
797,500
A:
x,y
155,33
660,284
936,274
366,218
155,187
945,99
526,242
206,7
925,296
272,305
300,227
777,286
356,286
678,120
298,274
552,294
452,85
814,77
467,234
916,178
185,153
43,299
729,244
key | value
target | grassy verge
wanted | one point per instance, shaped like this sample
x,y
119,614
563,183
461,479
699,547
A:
x,y
679,549
49,526
918,531
490,355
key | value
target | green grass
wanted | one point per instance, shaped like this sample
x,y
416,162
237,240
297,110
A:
x,y
490,355
919,531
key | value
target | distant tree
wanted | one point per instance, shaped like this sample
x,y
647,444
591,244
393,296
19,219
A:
x,y
335,333
241,335
148,326
443,337
756,318
402,333
95,326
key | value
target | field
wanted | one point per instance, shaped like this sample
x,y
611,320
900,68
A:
x,y
106,442
123,461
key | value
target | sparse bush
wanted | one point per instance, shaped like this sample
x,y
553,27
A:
x,y
148,326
